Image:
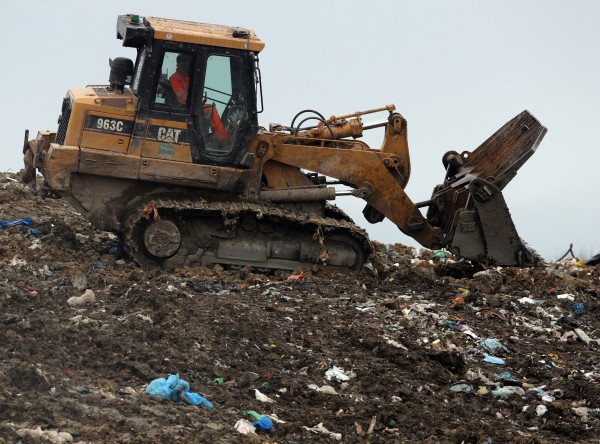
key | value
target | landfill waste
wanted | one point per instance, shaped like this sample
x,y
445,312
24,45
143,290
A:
x,y
245,427
336,373
494,360
49,436
85,299
263,423
493,346
594,260
508,379
578,309
176,389
461,387
25,221
505,392
396,329
319,428
323,389
295,277
262,397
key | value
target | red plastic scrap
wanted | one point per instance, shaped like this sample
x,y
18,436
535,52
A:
x,y
68,373
150,209
296,277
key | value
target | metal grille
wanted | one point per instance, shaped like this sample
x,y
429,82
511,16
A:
x,y
63,121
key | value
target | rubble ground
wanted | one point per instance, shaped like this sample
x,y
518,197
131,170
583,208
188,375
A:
x,y
420,350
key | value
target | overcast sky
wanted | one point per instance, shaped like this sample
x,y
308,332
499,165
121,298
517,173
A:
x,y
456,70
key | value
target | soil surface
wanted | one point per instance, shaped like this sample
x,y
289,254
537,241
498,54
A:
x,y
410,334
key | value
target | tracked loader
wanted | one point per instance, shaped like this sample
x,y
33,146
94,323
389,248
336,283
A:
x,y
170,155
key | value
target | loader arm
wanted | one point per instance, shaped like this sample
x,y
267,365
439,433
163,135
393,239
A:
x,y
366,171
467,213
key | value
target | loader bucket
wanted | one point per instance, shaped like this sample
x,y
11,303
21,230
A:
x,y
469,206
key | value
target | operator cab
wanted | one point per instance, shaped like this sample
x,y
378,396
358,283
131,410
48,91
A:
x,y
197,88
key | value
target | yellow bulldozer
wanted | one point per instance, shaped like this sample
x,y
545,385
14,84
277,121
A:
x,y
170,155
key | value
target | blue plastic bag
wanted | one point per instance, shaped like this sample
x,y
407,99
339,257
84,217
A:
x,y
264,424
25,221
176,389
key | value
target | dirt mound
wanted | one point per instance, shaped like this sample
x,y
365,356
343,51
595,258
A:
x,y
408,340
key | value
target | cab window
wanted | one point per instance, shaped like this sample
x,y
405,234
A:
x,y
224,107
174,81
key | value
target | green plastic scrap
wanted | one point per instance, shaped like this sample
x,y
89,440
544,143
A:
x,y
218,381
439,255
254,414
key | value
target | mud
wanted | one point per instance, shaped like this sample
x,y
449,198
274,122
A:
x,y
406,328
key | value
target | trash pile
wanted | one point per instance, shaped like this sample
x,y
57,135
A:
x,y
416,347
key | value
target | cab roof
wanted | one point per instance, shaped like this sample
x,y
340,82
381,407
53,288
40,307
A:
x,y
205,34
133,33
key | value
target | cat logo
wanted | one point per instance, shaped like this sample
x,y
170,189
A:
x,y
168,134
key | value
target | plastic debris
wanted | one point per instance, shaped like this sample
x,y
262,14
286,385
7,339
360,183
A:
x,y
264,424
527,300
494,360
51,436
245,427
578,309
493,346
461,387
262,397
28,221
439,255
336,373
176,389
508,379
319,428
540,410
47,272
86,298
505,392
295,277
566,296
98,265
323,389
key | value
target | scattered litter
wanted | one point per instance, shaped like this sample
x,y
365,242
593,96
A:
x,y
336,373
86,298
176,389
526,300
461,387
319,428
51,436
128,391
583,337
323,389
493,346
508,379
541,410
98,265
494,360
505,392
578,309
566,296
295,277
9,320
47,272
25,221
263,423
394,343
262,397
245,427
